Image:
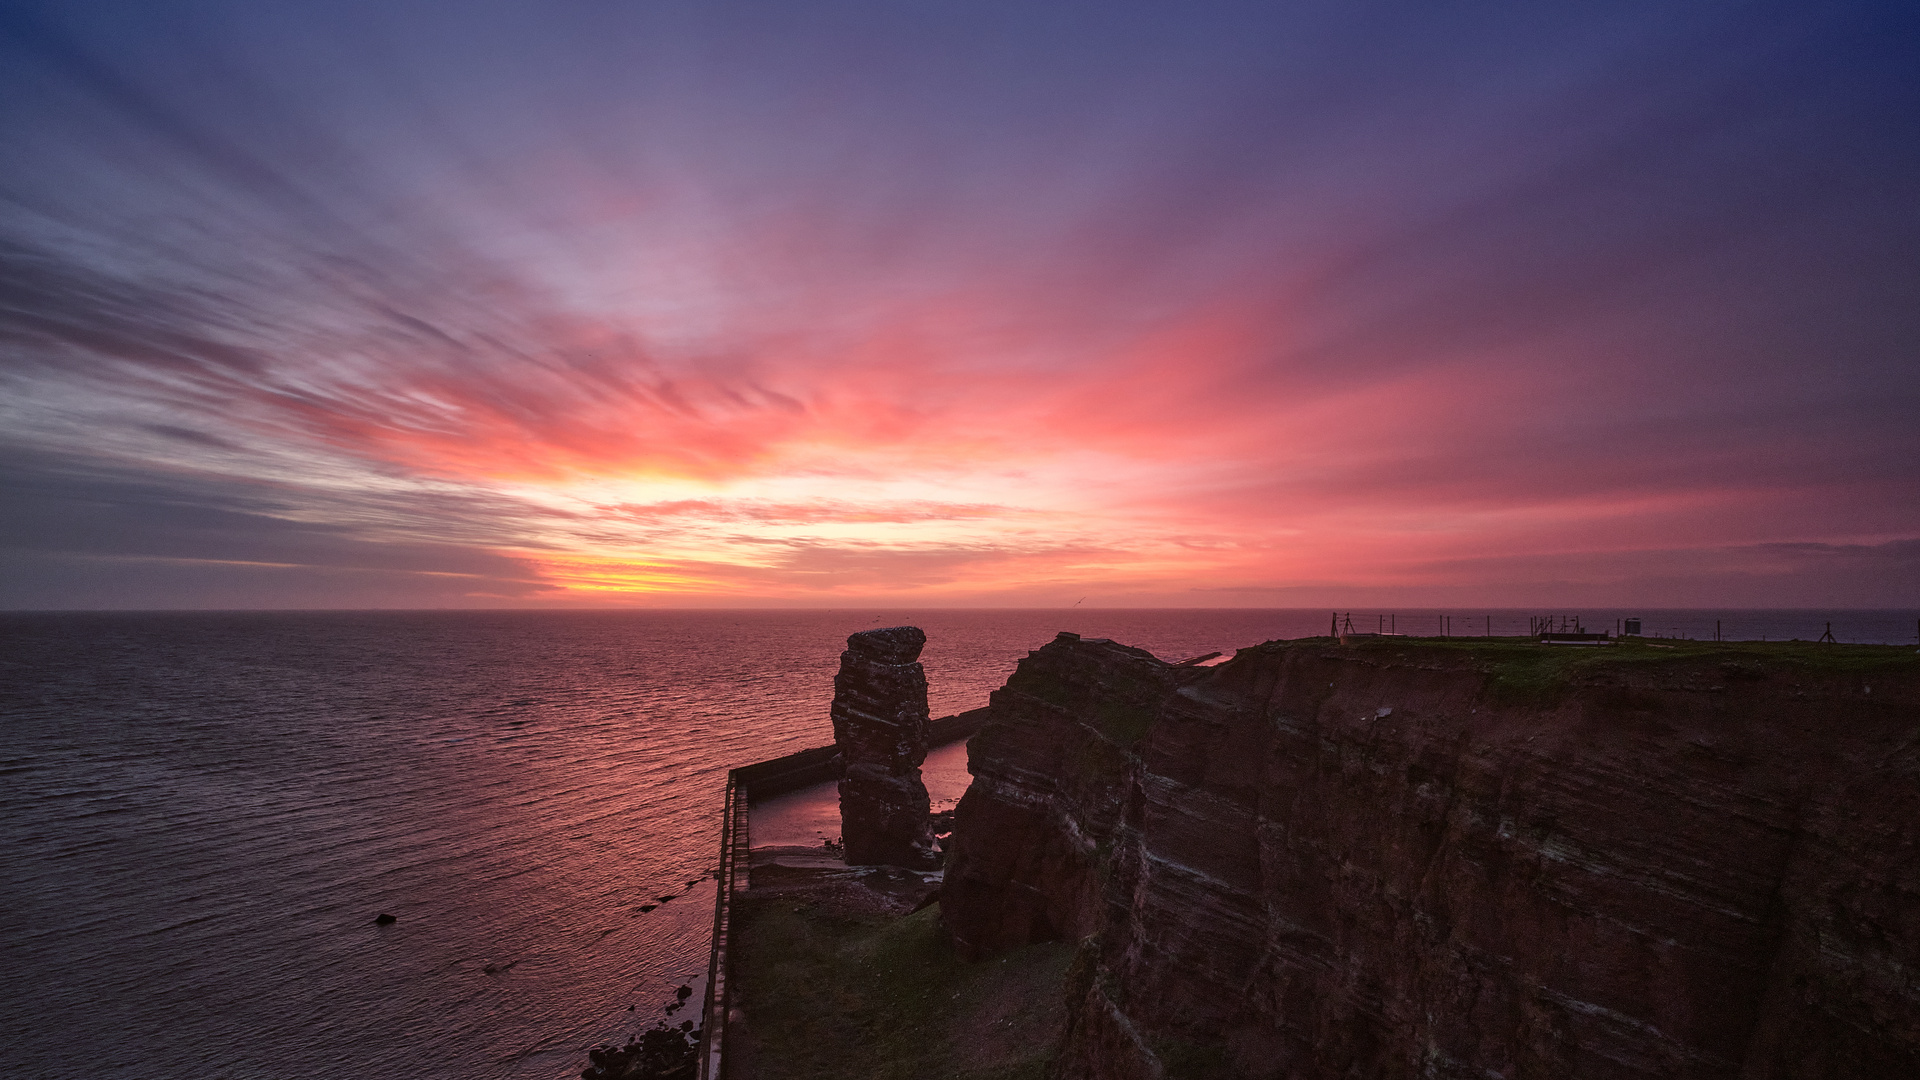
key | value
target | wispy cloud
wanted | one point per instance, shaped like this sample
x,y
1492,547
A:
x,y
981,305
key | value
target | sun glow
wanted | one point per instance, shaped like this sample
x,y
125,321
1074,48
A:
x,y
601,576
739,308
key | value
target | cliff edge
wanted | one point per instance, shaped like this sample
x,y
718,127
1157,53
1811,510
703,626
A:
x,y
1454,859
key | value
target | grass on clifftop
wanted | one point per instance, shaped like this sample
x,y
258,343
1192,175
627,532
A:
x,y
1524,668
833,996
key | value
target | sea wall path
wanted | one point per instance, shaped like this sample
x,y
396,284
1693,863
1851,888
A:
x,y
747,785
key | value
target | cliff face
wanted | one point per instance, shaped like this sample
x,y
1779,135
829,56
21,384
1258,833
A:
x,y
1397,860
880,726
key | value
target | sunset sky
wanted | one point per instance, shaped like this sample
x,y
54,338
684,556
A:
x,y
585,302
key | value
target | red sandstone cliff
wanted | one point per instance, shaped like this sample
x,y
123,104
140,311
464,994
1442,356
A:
x,y
880,727
1399,860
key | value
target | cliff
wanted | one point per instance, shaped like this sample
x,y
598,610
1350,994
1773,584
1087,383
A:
x,y
1403,859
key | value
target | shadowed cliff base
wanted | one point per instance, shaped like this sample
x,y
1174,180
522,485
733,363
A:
x,y
836,976
1407,858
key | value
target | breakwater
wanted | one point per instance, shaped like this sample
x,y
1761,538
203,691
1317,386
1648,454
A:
x,y
744,785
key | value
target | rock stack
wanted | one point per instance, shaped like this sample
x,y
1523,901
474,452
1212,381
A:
x,y
880,726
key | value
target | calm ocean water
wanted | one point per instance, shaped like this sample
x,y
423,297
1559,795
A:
x,y
203,813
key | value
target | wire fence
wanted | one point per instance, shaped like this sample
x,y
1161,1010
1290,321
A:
x,y
1852,627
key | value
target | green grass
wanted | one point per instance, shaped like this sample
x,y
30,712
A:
x,y
1102,759
1184,1059
1042,684
1522,670
1125,722
829,996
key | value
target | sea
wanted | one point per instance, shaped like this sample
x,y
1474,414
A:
x,y
203,813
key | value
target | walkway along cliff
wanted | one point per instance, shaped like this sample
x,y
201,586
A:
x,y
1400,859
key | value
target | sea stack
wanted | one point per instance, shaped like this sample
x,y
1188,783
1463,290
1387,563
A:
x,y
880,726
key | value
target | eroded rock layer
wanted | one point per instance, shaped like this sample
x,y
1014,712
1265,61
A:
x,y
880,727
1398,860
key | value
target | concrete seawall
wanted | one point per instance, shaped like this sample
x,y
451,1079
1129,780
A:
x,y
745,785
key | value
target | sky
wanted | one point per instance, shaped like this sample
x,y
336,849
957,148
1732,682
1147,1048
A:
x,y
982,303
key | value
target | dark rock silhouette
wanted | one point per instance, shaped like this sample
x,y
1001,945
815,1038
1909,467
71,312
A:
x,y
1399,861
384,919
660,1053
880,727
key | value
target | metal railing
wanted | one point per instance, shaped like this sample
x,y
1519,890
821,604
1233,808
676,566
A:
x,y
733,860
759,780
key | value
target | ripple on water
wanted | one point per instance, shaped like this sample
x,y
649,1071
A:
x,y
204,812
